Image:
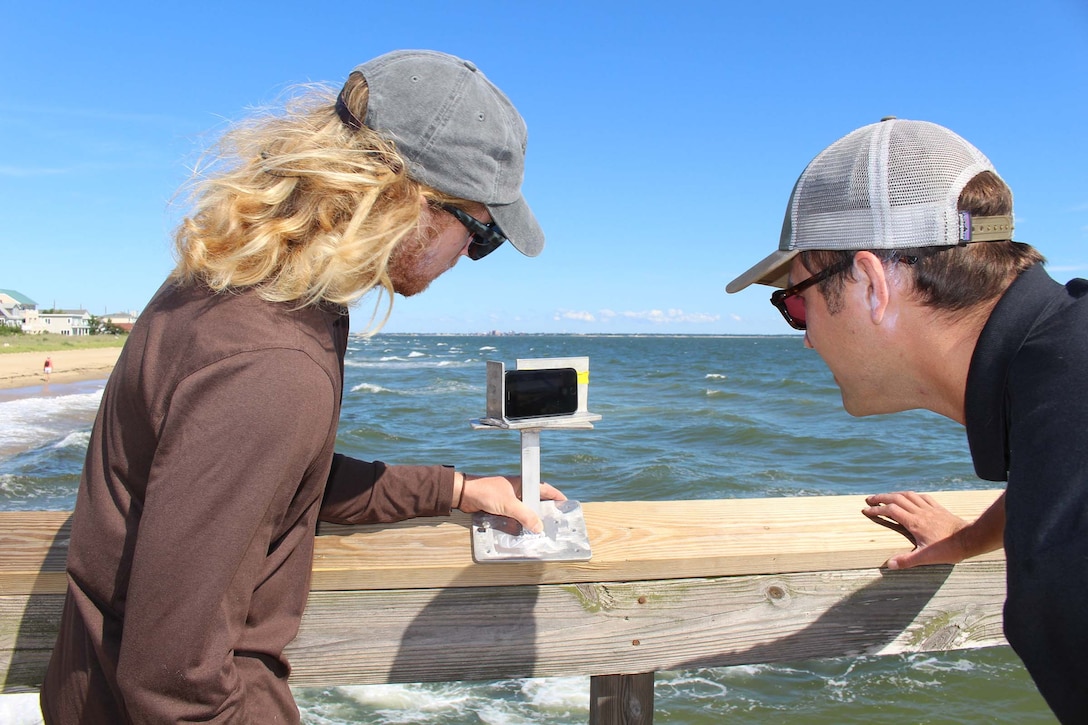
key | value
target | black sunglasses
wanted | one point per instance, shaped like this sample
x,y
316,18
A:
x,y
792,306
486,238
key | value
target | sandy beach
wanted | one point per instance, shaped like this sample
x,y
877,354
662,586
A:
x,y
21,369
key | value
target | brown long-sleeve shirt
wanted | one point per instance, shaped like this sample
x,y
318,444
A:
x,y
209,464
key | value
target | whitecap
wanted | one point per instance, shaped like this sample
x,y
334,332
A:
x,y
370,388
558,693
75,439
31,422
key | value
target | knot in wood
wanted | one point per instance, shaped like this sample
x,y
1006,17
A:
x,y
778,595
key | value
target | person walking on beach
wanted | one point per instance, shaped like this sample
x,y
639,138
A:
x,y
47,368
212,457
897,260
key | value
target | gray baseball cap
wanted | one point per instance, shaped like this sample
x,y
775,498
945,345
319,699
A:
x,y
889,185
458,132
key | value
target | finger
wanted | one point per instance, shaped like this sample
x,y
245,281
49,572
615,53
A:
x,y
880,499
525,516
911,559
551,493
893,525
919,500
894,564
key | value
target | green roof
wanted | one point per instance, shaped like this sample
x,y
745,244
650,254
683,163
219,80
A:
x,y
18,297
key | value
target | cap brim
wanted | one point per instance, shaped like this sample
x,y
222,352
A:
x,y
773,270
518,224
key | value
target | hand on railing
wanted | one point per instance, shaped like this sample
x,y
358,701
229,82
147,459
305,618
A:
x,y
926,524
499,495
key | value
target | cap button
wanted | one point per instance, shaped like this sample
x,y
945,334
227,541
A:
x,y
471,66
887,118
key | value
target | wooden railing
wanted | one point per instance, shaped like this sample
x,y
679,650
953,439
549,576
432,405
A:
x,y
670,585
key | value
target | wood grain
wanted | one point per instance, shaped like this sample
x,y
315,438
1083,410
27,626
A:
x,y
676,584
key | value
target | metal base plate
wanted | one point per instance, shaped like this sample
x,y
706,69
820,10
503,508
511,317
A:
x,y
498,538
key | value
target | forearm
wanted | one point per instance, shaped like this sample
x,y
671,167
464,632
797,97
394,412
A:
x,y
984,534
363,492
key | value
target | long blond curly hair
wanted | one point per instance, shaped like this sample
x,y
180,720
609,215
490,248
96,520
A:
x,y
301,206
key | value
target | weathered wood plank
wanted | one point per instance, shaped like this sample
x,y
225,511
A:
x,y
631,541
671,585
465,633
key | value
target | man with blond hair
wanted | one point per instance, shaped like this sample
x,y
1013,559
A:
x,y
896,259
212,459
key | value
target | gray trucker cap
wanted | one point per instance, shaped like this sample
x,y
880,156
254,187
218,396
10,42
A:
x,y
889,185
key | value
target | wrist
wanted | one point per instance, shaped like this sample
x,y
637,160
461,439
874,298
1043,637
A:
x,y
458,489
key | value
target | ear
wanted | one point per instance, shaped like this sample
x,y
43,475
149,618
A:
x,y
869,271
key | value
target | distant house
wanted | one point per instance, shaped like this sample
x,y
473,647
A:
x,y
59,322
14,306
124,320
18,310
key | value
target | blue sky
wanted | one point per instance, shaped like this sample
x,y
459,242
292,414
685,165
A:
x,y
663,139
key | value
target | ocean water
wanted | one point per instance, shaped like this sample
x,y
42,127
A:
x,y
688,417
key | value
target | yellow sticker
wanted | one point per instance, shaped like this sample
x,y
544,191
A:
x,y
583,377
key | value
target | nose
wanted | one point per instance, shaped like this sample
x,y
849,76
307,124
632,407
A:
x,y
808,343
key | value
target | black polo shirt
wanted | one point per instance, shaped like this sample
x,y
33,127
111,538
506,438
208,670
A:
x,y
1027,423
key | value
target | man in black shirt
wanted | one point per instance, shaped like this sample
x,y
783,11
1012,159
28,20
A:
x,y
897,260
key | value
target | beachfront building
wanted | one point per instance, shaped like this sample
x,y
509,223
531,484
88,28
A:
x,y
59,322
19,311
124,320
13,308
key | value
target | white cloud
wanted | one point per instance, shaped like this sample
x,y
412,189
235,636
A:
x,y
662,317
656,317
580,316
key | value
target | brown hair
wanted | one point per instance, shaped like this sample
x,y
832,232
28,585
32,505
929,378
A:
x,y
948,278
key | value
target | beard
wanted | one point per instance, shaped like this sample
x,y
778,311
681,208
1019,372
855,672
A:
x,y
420,259
406,265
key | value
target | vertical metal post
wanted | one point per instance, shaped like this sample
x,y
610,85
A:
x,y
530,468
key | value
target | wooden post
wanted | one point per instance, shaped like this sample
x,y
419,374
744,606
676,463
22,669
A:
x,y
621,699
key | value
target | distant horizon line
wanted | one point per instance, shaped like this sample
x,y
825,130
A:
x,y
579,334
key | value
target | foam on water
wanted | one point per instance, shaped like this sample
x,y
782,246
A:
x,y
555,700
369,388
34,421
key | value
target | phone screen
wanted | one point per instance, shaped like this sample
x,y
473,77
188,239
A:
x,y
535,393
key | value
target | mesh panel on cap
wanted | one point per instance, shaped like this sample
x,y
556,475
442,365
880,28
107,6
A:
x,y
890,185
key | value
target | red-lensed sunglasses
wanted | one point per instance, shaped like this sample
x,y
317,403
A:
x,y
792,305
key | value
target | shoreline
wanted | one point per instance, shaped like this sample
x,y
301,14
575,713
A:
x,y
24,369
